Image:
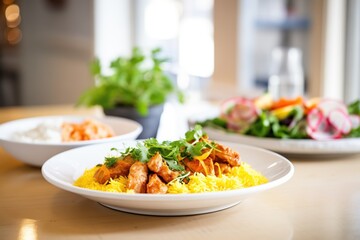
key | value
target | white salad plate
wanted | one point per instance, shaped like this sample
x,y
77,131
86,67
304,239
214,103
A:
x,y
296,147
36,153
63,169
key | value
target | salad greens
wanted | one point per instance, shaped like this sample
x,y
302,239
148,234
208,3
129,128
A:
x,y
268,124
354,108
354,133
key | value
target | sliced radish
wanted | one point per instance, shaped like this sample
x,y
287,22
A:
x,y
239,109
322,129
246,112
323,135
314,118
327,105
238,126
329,120
229,103
324,132
355,120
340,120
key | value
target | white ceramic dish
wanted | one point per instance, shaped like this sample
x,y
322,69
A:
x,y
63,169
301,147
37,153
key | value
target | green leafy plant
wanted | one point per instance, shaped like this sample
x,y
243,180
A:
x,y
131,83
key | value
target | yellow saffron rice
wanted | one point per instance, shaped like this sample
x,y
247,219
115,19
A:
x,y
239,177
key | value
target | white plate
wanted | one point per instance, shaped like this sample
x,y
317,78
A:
x,y
301,147
63,169
36,153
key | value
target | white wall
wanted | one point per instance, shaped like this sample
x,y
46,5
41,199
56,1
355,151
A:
x,y
352,61
333,82
114,31
55,51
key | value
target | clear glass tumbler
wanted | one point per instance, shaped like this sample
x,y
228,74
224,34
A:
x,y
287,75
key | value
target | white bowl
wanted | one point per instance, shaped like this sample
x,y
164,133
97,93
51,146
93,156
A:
x,y
63,169
36,153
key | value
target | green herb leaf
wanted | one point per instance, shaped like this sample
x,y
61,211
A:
x,y
195,134
262,126
354,108
196,149
172,152
95,67
140,153
354,133
183,176
132,82
110,161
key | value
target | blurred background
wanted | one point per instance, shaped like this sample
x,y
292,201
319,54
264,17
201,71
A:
x,y
218,49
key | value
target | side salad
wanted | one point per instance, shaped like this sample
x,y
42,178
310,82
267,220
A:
x,y
296,118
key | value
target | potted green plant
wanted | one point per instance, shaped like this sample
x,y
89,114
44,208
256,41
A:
x,y
132,90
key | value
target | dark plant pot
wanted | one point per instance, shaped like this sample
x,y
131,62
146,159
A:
x,y
150,123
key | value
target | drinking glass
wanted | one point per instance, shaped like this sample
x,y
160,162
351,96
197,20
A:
x,y
287,75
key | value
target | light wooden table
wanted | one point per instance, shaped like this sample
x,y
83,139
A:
x,y
321,201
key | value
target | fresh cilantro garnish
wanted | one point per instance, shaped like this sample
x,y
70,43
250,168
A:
x,y
110,161
195,134
140,153
195,149
127,151
183,176
174,165
171,151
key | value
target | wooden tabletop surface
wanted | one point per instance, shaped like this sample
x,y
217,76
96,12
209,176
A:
x,y
321,201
